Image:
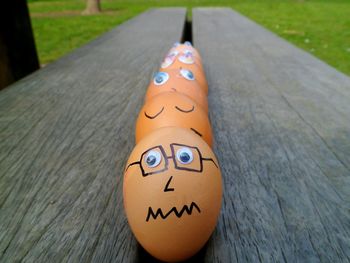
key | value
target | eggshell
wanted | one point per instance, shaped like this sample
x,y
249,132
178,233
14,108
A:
x,y
172,208
173,109
180,60
176,82
185,56
187,46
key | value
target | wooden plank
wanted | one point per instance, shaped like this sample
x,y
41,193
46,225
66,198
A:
x,y
281,120
65,135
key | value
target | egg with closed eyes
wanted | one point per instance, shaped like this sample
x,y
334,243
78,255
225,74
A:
x,y
173,109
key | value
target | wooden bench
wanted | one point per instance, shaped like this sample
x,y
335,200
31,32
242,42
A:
x,y
282,134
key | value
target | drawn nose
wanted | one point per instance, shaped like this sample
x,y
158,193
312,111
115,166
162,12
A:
x,y
167,187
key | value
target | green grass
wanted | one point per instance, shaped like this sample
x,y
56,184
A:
x,y
321,27
59,27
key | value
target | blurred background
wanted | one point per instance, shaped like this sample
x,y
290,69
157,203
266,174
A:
x,y
321,27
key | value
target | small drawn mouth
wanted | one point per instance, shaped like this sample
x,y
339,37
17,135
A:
x,y
173,210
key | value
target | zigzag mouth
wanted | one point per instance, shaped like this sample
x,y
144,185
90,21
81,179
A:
x,y
173,210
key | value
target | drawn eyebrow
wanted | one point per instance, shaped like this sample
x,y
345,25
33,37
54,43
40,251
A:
x,y
185,111
152,117
210,159
131,164
197,132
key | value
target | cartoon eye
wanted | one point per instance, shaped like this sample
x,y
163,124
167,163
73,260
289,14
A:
x,y
188,52
153,158
160,78
188,43
187,74
174,53
176,44
184,155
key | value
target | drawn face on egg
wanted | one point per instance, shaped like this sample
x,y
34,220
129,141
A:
x,y
177,80
186,47
177,60
173,109
169,59
172,193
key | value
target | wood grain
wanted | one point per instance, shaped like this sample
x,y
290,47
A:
x,y
65,135
281,120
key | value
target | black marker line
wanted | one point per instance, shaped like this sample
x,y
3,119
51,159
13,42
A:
x,y
172,156
152,117
178,214
210,159
186,168
197,132
166,189
185,111
131,165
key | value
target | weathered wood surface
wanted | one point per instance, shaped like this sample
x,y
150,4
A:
x,y
65,135
281,120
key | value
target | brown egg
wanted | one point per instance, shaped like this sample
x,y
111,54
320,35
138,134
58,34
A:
x,y
172,193
176,60
186,47
173,109
177,80
187,56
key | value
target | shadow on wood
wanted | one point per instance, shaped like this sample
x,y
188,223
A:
x,y
143,256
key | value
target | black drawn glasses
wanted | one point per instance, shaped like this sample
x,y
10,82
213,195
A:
x,y
184,157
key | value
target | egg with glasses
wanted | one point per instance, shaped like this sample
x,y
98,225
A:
x,y
172,193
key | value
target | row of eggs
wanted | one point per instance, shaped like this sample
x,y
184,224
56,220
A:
x,y
172,182
177,95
